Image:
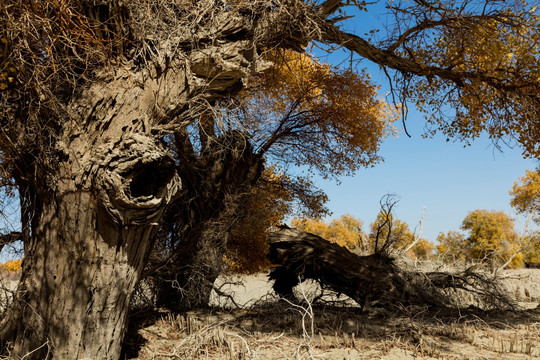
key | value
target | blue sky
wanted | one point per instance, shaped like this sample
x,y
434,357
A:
x,y
446,178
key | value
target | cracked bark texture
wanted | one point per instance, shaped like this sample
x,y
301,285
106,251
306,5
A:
x,y
95,227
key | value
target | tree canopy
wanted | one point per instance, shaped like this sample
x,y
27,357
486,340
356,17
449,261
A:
x,y
309,113
525,194
471,66
492,238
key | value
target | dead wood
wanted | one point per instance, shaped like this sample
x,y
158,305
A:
x,y
376,278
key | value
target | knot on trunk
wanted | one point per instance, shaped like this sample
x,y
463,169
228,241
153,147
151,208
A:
x,y
135,179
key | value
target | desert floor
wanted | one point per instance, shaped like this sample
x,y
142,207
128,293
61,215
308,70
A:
x,y
265,328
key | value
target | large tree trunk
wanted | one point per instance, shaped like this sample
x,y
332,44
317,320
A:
x,y
101,84
81,266
83,261
94,222
201,219
103,188
302,256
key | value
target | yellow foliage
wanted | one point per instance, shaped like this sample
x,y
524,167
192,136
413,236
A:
x,y
525,194
263,209
422,250
345,231
329,119
401,235
451,246
504,50
12,266
492,238
7,70
531,248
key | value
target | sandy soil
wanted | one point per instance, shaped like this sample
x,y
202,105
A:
x,y
265,328
7,288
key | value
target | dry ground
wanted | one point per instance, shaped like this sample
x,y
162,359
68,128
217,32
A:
x,y
271,329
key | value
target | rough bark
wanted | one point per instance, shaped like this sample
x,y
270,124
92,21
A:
x,y
99,85
92,231
100,180
199,221
375,278
75,306
304,256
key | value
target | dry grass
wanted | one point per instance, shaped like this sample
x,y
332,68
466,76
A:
x,y
281,330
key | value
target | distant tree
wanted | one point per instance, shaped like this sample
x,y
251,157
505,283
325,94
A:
x,y
386,229
531,247
491,238
11,266
451,246
422,250
525,194
392,236
398,237
345,231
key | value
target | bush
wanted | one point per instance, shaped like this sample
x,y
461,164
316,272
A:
x,y
12,266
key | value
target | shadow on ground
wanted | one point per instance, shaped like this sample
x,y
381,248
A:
x,y
282,330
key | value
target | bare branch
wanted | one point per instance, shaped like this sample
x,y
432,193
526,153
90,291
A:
x,y
418,235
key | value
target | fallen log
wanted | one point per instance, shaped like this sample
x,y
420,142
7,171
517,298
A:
x,y
374,278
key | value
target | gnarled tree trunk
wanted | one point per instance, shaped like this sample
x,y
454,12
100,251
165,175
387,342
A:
x,y
94,224
199,222
79,274
99,86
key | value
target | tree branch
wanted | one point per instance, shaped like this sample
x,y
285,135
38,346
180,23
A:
x,y
9,238
332,34
329,7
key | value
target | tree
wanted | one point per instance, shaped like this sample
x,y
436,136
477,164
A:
x,y
345,231
11,266
492,238
451,246
422,250
525,194
101,86
471,66
389,235
299,112
397,237
262,211
377,277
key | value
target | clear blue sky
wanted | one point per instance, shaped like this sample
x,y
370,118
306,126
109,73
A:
x,y
444,177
